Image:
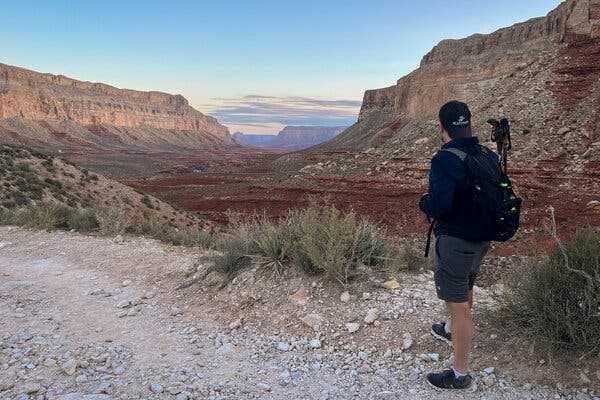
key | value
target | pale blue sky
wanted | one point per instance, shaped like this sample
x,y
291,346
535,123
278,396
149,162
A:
x,y
256,65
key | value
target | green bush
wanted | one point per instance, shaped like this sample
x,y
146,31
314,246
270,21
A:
x,y
147,201
337,244
319,240
275,243
82,220
236,255
558,299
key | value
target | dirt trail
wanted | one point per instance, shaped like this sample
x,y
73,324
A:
x,y
99,319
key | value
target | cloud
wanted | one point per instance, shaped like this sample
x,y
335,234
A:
x,y
272,112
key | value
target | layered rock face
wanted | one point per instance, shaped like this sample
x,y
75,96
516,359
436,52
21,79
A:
x,y
291,138
56,111
543,74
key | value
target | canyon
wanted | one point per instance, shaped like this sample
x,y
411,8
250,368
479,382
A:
x,y
291,138
543,74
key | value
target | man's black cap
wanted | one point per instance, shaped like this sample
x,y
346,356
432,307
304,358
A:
x,y
455,116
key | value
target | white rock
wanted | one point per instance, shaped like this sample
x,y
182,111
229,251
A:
x,y
235,324
372,316
126,283
283,346
315,321
352,327
32,387
263,386
345,297
69,367
175,311
407,341
315,344
149,294
489,370
435,357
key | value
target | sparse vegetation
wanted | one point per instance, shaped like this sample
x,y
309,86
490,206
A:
x,y
557,299
318,240
40,191
147,202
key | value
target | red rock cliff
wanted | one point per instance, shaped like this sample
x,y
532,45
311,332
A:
x,y
543,74
33,102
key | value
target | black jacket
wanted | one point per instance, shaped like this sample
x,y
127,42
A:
x,y
449,197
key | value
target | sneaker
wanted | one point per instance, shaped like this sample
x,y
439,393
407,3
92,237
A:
x,y
447,380
439,332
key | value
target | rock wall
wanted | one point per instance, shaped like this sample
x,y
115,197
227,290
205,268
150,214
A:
x,y
543,74
291,137
55,100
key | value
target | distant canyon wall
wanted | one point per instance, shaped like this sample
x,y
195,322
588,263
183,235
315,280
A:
x,y
291,138
36,106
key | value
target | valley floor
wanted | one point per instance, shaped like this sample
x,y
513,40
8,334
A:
x,y
100,319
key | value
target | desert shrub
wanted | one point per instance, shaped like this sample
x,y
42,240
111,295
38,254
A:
x,y
205,240
274,243
318,240
236,255
49,165
111,222
82,220
147,201
557,299
169,234
337,244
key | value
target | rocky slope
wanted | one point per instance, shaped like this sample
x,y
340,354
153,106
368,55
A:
x,y
30,178
53,111
543,74
292,137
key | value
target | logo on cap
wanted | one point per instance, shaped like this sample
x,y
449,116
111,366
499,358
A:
x,y
461,121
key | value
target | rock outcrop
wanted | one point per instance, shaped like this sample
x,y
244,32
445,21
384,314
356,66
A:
x,y
543,74
54,111
291,138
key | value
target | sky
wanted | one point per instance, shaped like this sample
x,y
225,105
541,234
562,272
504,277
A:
x,y
255,65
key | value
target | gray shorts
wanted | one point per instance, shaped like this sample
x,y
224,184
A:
x,y
457,263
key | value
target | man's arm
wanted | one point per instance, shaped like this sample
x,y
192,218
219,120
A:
x,y
445,171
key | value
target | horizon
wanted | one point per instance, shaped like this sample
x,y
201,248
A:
x,y
270,64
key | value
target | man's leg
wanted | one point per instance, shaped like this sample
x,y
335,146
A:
x,y
448,324
462,334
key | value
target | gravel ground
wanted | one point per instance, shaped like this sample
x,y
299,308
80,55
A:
x,y
90,318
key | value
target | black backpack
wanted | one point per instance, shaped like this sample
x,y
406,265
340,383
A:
x,y
495,206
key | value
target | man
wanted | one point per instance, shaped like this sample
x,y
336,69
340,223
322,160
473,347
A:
x,y
458,253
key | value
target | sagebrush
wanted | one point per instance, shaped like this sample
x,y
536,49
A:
x,y
317,239
557,299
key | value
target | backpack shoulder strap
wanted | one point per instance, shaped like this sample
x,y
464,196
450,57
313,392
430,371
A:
x,y
458,153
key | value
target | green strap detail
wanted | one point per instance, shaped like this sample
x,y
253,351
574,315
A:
x,y
458,153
